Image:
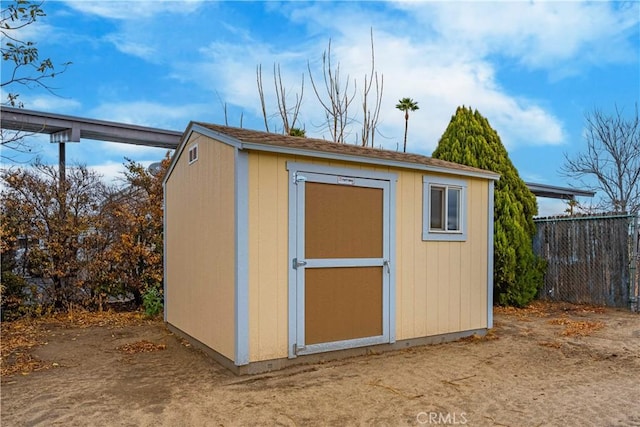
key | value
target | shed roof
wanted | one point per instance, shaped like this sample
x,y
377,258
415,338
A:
x,y
555,192
264,141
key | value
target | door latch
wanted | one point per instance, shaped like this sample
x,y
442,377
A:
x,y
297,263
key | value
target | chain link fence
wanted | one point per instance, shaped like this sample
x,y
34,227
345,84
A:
x,y
590,259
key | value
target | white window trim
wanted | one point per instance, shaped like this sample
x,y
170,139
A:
x,y
190,150
443,235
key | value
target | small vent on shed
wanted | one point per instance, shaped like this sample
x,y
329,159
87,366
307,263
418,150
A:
x,y
193,153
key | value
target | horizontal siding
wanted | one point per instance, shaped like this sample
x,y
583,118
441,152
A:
x,y
200,245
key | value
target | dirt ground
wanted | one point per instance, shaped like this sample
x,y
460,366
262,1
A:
x,y
548,365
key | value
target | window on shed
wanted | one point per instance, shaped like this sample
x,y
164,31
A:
x,y
193,153
444,209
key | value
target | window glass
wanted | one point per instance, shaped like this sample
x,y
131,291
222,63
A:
x,y
453,209
444,206
437,208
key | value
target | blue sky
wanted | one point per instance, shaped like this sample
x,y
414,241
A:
x,y
532,68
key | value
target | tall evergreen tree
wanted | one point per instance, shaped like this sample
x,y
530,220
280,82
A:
x,y
470,140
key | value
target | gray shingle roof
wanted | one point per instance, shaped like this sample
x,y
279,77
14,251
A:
x,y
319,145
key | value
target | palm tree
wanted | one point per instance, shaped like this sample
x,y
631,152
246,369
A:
x,y
406,105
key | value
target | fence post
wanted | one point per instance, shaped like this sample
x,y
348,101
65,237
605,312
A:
x,y
634,264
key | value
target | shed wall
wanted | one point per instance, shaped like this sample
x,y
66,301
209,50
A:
x,y
200,245
441,287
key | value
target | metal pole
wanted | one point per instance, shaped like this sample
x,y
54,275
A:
x,y
62,164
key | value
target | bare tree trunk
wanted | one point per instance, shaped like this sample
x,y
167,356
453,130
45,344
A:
x,y
281,97
261,93
370,118
406,128
288,116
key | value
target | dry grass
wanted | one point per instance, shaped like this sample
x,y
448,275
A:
x,y
20,336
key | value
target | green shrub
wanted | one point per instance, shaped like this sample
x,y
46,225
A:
x,y
518,272
153,301
12,295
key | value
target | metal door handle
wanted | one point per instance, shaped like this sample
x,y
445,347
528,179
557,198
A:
x,y
297,263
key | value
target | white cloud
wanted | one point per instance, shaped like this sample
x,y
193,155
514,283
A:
x,y
113,172
32,32
132,47
144,113
133,10
538,34
32,146
137,33
423,65
134,152
439,79
441,84
54,104
551,207
442,54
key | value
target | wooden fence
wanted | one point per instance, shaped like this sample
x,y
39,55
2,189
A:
x,y
590,259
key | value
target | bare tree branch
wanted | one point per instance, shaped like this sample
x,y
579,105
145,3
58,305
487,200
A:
x,y
611,163
281,98
22,58
261,93
16,143
339,98
370,118
288,115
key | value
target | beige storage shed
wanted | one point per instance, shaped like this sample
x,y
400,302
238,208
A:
x,y
282,250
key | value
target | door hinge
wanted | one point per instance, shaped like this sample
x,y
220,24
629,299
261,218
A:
x,y
299,178
295,264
